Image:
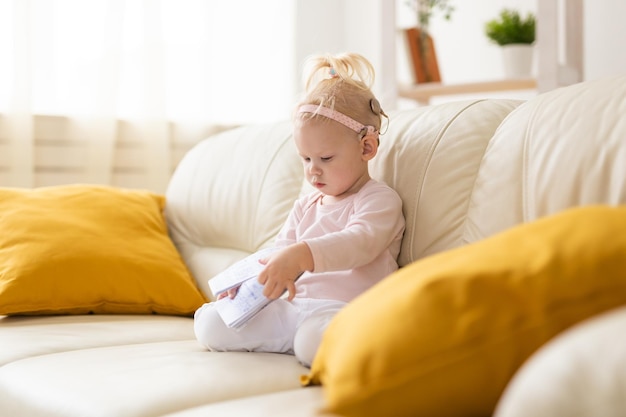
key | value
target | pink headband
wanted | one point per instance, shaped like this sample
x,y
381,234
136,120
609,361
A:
x,y
338,117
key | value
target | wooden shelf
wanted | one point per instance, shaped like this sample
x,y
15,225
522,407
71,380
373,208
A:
x,y
422,93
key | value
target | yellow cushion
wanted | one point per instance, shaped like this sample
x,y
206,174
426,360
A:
x,y
82,249
444,335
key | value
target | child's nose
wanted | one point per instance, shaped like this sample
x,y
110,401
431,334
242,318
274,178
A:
x,y
314,169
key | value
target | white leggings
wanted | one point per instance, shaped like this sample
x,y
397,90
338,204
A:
x,y
293,327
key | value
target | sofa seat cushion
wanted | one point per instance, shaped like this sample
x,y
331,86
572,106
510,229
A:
x,y
139,380
79,249
444,335
300,402
28,336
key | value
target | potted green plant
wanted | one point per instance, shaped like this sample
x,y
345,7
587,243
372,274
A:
x,y
510,27
425,10
515,34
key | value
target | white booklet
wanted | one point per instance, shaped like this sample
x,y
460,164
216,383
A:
x,y
249,299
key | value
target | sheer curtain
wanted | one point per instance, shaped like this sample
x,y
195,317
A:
x,y
123,83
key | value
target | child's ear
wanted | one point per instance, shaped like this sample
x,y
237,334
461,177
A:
x,y
369,147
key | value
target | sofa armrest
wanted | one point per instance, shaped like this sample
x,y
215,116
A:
x,y
578,373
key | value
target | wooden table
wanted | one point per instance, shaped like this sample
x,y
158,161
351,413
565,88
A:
x,y
422,93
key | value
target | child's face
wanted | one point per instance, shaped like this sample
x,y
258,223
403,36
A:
x,y
335,161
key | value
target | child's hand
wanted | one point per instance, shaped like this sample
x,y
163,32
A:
x,y
282,268
230,293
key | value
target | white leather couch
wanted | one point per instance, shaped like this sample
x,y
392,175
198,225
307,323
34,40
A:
x,y
465,171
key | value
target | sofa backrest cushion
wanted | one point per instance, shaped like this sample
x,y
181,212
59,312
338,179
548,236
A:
x,y
561,149
431,156
230,195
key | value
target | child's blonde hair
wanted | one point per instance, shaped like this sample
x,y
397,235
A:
x,y
343,83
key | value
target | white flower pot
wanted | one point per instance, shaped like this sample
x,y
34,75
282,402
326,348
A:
x,y
518,60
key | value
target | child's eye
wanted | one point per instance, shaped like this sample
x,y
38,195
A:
x,y
306,159
327,158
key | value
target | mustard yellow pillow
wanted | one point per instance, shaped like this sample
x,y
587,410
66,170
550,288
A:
x,y
82,249
444,335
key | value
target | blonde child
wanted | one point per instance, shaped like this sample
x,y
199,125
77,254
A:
x,y
341,238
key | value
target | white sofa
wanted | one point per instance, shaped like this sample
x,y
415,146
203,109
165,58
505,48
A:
x,y
465,171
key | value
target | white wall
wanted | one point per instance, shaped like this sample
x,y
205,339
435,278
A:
x,y
605,38
361,26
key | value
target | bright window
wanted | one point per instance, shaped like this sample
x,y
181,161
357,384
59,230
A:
x,y
189,60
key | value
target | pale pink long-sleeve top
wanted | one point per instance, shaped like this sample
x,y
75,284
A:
x,y
355,242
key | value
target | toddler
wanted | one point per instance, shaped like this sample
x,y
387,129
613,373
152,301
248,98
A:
x,y
341,238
